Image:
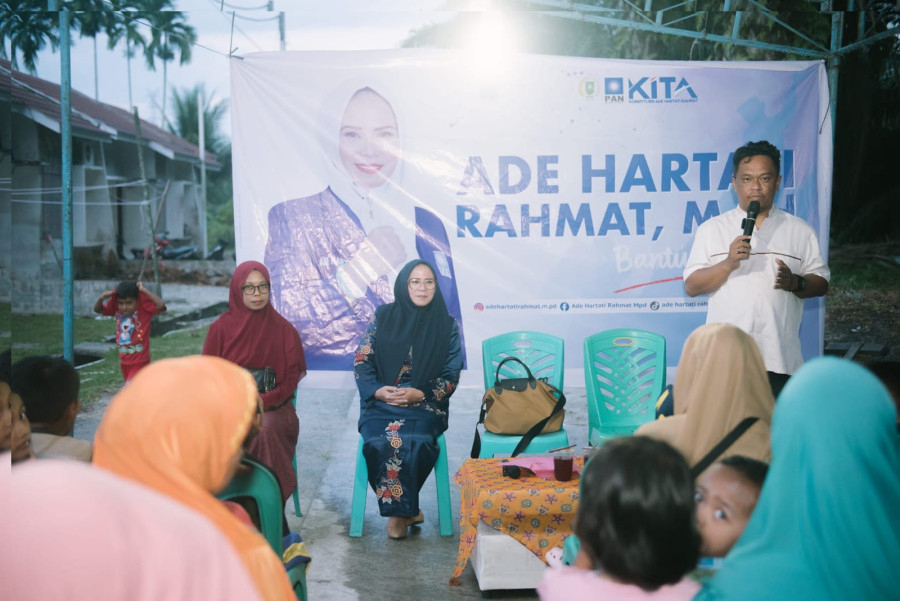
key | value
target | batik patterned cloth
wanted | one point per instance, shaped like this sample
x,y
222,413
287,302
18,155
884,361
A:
x,y
537,512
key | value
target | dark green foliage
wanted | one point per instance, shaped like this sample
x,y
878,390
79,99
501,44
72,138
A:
x,y
26,27
219,208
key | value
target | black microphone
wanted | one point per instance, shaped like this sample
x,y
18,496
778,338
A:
x,y
750,220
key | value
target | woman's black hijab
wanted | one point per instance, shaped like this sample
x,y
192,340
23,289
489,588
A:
x,y
402,324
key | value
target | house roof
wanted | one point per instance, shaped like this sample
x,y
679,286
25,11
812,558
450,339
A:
x,y
91,118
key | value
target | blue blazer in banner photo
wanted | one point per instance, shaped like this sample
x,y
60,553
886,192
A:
x,y
310,240
433,246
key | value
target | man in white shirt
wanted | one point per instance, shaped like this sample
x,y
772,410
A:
x,y
758,282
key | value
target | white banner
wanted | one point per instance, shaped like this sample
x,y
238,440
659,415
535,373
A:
x,y
554,194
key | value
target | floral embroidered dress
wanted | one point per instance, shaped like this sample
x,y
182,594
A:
x,y
400,443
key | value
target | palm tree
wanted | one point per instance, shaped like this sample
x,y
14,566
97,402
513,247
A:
x,y
185,124
170,34
28,29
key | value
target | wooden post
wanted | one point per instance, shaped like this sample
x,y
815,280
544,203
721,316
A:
x,y
140,149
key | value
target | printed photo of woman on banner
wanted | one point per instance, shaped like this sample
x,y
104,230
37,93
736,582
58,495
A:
x,y
333,255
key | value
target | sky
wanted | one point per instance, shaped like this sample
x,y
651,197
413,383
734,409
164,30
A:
x,y
341,25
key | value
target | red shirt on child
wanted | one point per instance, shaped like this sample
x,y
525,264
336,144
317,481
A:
x,y
133,333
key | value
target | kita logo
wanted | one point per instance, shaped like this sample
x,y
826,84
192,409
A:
x,y
660,88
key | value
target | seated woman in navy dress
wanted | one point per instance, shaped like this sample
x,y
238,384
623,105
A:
x,y
407,367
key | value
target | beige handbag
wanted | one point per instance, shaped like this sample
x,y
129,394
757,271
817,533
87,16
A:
x,y
520,406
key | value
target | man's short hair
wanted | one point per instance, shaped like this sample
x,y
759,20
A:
x,y
127,290
752,149
47,385
753,470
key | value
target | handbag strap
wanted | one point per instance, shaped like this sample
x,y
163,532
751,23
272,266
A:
x,y
532,432
532,382
536,429
723,445
531,379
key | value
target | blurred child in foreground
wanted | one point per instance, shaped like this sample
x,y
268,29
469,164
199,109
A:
x,y
49,388
637,526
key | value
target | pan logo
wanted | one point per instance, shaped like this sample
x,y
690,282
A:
x,y
649,90
613,89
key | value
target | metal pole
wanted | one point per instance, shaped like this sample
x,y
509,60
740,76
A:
x,y
96,73
202,138
128,62
281,28
139,139
833,65
68,247
162,121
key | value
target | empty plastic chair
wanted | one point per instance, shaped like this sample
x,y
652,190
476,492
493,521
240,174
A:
x,y
624,373
296,493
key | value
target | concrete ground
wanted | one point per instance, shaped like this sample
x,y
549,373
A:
x,y
371,567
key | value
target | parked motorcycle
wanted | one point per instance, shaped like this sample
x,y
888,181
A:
x,y
159,243
181,253
165,250
218,251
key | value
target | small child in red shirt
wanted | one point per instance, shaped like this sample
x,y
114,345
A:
x,y
134,306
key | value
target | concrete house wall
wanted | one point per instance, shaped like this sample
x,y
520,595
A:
x,y
110,215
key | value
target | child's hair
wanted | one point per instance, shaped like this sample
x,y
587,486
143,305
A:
x,y
636,517
5,366
127,289
753,470
47,385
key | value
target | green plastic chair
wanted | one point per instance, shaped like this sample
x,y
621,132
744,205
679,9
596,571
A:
x,y
544,354
624,373
259,483
296,493
441,479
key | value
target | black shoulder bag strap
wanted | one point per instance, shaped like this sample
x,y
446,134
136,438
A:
x,y
534,430
723,445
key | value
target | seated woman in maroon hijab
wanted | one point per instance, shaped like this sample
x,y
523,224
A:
x,y
253,335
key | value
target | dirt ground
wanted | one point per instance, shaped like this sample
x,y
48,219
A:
x,y
867,312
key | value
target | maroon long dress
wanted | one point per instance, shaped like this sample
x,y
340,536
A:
x,y
258,339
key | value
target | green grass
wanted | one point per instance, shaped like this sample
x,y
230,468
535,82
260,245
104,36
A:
x,y
42,335
866,277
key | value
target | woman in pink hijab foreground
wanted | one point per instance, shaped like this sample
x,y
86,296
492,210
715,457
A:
x,y
79,532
